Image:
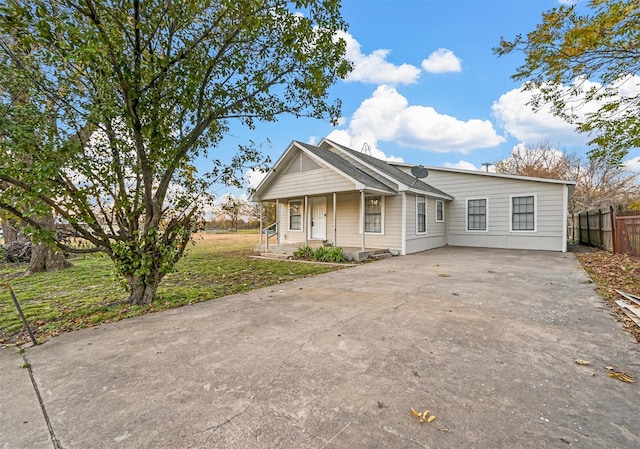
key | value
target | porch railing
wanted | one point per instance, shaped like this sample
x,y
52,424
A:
x,y
270,231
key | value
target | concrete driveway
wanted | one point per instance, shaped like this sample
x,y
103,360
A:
x,y
484,339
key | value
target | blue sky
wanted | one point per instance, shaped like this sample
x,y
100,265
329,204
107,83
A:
x,y
427,88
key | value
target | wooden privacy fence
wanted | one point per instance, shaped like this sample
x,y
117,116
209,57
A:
x,y
602,228
627,235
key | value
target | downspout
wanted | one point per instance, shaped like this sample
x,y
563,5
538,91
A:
x,y
403,252
362,216
335,221
565,219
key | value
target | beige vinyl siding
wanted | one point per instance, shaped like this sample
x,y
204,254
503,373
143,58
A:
x,y
288,236
436,232
349,223
312,182
498,191
284,233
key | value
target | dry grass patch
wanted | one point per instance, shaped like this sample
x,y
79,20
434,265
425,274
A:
x,y
216,265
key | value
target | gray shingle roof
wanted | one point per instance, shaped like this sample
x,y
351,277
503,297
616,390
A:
x,y
392,172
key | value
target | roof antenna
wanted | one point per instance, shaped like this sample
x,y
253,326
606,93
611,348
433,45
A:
x,y
366,149
419,172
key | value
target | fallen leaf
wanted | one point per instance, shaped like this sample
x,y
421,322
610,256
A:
x,y
431,419
583,362
622,376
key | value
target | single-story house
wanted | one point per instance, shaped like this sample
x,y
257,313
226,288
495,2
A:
x,y
330,194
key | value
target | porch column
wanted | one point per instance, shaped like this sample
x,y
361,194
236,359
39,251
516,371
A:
x,y
306,227
362,217
277,221
335,222
260,215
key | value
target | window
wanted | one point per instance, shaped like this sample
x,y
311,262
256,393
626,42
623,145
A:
x,y
421,215
373,214
477,214
439,210
295,215
523,217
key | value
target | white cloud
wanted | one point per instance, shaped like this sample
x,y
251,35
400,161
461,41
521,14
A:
x,y
442,61
462,165
374,67
519,120
253,178
387,116
632,164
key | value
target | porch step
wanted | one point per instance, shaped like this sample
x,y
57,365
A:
x,y
380,256
276,255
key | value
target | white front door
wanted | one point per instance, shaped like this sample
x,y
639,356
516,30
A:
x,y
319,218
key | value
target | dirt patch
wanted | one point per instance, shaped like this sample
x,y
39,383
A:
x,y
612,272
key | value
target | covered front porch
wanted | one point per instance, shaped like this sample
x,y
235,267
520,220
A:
x,y
335,219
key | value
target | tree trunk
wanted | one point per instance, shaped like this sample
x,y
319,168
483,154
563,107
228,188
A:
x,y
44,258
142,291
10,231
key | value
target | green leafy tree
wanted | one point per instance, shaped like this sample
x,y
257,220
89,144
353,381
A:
x,y
583,60
124,96
233,207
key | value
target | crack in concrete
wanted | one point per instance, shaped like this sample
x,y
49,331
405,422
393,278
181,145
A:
x,y
52,434
214,429
336,435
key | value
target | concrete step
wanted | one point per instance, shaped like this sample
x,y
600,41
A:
x,y
274,255
380,256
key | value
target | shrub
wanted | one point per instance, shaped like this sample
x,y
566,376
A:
x,y
322,254
304,253
328,254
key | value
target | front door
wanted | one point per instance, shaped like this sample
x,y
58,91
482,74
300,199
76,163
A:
x,y
319,218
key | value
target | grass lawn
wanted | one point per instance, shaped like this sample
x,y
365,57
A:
x,y
216,265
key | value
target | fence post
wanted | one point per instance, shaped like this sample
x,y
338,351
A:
x,y
588,230
600,234
580,228
614,236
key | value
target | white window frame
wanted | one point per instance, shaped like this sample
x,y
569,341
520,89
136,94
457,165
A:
x,y
486,214
364,215
436,213
535,213
424,198
301,215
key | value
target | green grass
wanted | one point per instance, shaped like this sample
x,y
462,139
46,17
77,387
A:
x,y
76,298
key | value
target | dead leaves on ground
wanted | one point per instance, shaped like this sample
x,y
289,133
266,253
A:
x,y
613,272
427,417
620,375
